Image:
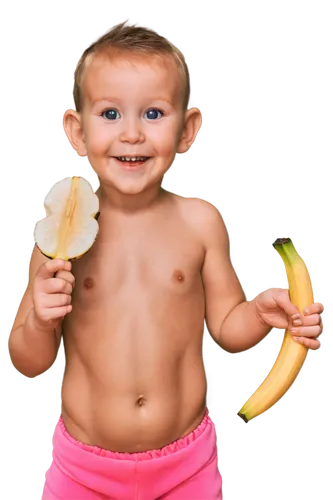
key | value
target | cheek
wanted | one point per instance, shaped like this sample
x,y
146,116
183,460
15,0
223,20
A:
x,y
98,138
165,140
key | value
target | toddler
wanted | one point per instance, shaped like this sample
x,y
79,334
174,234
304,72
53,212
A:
x,y
134,424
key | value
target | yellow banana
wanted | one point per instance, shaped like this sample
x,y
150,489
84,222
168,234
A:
x,y
292,354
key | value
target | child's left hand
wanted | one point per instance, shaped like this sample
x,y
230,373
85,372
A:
x,y
274,308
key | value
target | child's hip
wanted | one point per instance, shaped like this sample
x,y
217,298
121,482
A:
x,y
141,475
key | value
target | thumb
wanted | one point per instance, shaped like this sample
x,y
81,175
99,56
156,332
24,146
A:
x,y
282,299
49,269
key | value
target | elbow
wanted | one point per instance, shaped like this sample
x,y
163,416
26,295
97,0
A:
x,y
26,368
27,371
236,352
230,347
234,341
231,344
223,341
241,344
23,368
24,373
233,351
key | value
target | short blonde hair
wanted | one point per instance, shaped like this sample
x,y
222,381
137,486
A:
x,y
134,39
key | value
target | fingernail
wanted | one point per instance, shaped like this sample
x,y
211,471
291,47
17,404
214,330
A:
x,y
306,311
296,338
293,330
295,316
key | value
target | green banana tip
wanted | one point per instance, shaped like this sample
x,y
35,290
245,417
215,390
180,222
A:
x,y
281,241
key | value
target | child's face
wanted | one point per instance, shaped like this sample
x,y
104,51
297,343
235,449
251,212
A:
x,y
132,106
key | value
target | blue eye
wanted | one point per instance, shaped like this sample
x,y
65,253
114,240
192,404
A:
x,y
110,114
152,114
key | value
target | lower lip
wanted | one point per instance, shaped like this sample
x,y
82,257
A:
x,y
131,165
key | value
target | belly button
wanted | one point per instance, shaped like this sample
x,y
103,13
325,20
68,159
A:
x,y
141,401
88,283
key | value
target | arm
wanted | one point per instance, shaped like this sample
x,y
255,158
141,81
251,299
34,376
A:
x,y
32,349
231,320
242,329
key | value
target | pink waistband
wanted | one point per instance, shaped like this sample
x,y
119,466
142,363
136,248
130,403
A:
x,y
142,455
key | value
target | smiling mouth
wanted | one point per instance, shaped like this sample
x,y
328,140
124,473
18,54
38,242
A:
x,y
132,159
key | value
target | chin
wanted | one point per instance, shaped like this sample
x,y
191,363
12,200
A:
x,y
131,190
129,187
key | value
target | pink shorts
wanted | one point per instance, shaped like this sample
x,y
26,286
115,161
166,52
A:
x,y
185,469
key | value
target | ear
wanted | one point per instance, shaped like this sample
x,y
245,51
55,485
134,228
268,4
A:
x,y
73,127
191,127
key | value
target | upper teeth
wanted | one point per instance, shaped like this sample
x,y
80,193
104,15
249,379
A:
x,y
133,158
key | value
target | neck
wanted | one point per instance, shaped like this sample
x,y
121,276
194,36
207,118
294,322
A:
x,y
130,204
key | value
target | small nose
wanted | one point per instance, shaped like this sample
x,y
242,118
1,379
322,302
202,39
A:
x,y
132,131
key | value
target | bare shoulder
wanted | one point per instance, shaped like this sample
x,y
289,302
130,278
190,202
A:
x,y
204,218
197,209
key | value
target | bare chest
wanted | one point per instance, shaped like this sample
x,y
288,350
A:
x,y
129,262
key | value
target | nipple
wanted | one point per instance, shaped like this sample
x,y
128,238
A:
x,y
179,276
88,283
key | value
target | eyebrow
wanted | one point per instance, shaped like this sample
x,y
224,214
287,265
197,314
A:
x,y
96,101
110,99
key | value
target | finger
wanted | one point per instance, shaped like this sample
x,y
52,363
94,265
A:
x,y
55,313
282,299
306,331
56,300
310,343
57,285
313,309
313,319
49,268
66,275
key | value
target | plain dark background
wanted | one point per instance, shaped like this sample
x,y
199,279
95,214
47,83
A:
x,y
264,78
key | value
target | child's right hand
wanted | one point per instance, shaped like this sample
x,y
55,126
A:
x,y
51,295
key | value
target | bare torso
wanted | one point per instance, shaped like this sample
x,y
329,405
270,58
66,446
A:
x,y
134,377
